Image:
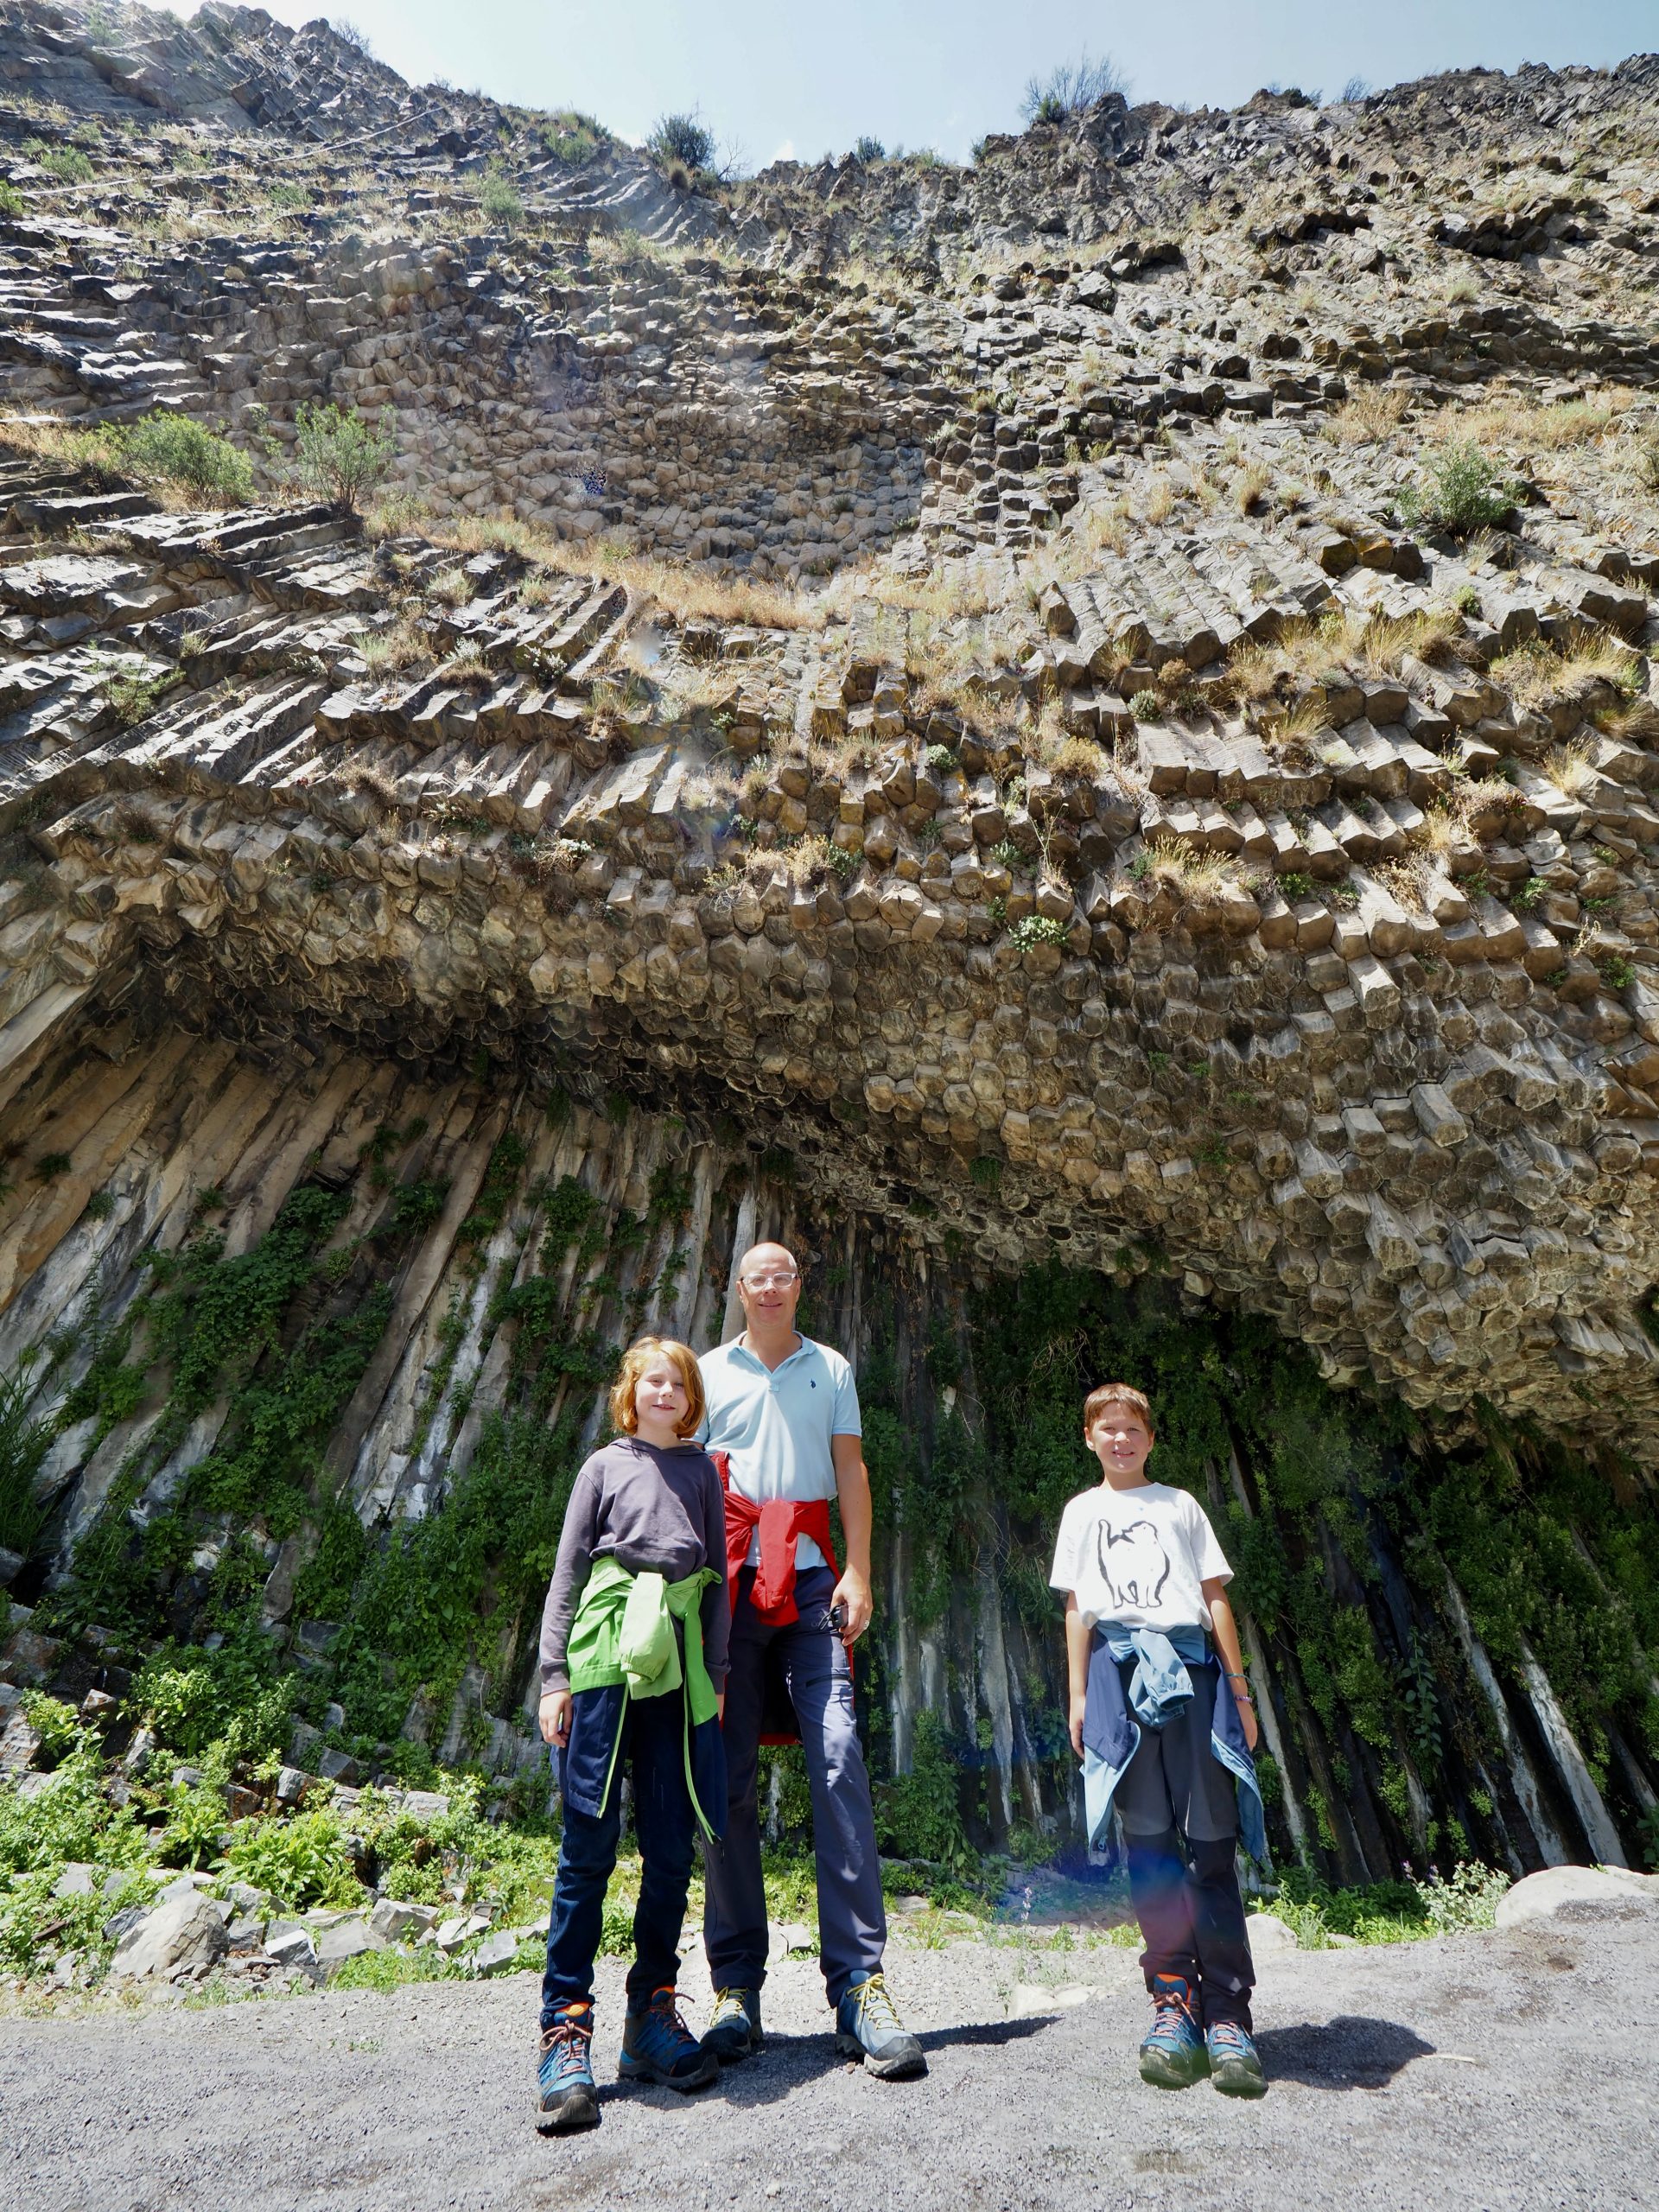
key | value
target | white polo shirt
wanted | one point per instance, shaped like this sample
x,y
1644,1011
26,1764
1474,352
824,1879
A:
x,y
777,1422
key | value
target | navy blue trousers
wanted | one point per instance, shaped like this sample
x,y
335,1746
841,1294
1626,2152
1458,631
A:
x,y
654,1742
852,1920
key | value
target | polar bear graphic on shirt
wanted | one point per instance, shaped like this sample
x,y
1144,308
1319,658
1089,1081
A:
x,y
1134,1564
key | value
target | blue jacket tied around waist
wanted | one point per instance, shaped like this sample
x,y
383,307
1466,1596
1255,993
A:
x,y
1160,1688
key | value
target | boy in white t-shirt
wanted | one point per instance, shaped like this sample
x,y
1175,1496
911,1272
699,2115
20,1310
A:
x,y
1162,1719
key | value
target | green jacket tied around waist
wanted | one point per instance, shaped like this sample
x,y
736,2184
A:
x,y
624,1636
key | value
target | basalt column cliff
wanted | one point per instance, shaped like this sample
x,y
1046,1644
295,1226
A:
x,y
1074,734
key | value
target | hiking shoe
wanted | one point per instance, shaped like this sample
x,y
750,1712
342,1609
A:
x,y
733,2030
1173,2056
565,2076
1235,2067
657,2046
868,2027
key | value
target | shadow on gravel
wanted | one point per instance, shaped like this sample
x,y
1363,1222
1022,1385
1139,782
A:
x,y
1351,2052
995,2032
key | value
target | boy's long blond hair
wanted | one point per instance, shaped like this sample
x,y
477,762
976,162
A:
x,y
1117,1394
644,1352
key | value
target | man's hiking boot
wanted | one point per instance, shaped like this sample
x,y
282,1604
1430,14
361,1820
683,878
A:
x,y
565,2076
1173,2057
868,2027
657,2046
1234,2066
734,2029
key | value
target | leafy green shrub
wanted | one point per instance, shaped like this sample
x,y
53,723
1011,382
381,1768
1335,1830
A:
x,y
11,200
684,138
338,456
389,1970
301,1862
67,163
1036,928
918,1814
69,1818
135,695
174,450
1461,490
292,199
1468,1899
498,199
24,1443
1144,706
53,1722
195,1823
869,150
573,138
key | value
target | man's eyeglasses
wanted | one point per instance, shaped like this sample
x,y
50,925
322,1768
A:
x,y
779,1280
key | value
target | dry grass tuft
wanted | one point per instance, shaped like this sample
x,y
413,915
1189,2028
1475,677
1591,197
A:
x,y
466,666
1375,412
1569,767
1537,672
1427,635
1183,868
1250,485
399,645
1512,419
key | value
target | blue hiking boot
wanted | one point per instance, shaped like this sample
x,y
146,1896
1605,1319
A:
x,y
565,2076
1173,2054
734,2029
657,2046
868,2027
1235,2065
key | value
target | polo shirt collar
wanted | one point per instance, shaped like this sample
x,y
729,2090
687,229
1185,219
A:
x,y
738,1345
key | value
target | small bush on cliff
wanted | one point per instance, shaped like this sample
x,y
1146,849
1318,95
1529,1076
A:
x,y
1070,89
338,456
683,138
172,450
498,199
1461,491
572,138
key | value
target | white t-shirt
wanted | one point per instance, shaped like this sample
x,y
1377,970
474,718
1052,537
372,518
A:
x,y
1138,1557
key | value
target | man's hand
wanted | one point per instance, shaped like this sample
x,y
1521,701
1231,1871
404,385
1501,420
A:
x,y
555,1716
1247,1714
720,1706
1079,1707
852,1594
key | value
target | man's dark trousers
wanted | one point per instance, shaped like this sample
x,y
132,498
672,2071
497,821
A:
x,y
852,1921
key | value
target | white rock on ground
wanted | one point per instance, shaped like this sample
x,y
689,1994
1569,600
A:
x,y
1539,1895
183,1931
1269,1934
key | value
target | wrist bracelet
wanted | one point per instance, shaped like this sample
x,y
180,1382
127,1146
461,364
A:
x,y
1235,1678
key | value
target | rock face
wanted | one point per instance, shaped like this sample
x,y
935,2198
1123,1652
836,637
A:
x,y
1011,750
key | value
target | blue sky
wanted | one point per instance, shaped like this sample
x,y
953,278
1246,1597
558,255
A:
x,y
780,78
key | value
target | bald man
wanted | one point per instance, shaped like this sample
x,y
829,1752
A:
x,y
784,1410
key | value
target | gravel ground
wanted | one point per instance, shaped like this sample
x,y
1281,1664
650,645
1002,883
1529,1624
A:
x,y
1480,2072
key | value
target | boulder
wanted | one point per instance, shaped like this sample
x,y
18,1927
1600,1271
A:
x,y
346,1939
497,1953
1270,1936
392,1918
292,1946
1539,1896
186,1930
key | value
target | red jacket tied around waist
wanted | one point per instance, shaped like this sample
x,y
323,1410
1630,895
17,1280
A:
x,y
782,1523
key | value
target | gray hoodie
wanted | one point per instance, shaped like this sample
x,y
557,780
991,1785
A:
x,y
653,1511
